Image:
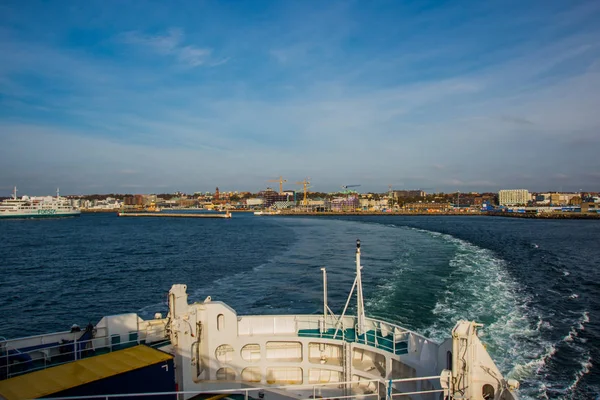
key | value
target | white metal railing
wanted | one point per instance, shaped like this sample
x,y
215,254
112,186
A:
x,y
256,325
316,390
68,348
47,353
373,337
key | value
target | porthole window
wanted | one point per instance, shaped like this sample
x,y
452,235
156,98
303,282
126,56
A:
x,y
224,353
251,374
225,374
251,352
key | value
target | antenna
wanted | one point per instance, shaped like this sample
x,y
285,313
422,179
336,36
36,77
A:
x,y
324,328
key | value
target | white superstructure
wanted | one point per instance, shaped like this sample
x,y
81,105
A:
x,y
277,357
37,207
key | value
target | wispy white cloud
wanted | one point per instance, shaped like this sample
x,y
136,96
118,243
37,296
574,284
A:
x,y
171,43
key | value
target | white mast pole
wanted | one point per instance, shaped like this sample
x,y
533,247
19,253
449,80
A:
x,y
324,293
324,326
360,307
15,192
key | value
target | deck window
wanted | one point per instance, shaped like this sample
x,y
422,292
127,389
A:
x,y
220,322
226,374
224,353
284,351
284,375
251,352
251,374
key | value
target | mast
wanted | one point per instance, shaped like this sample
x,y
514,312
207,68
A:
x,y
324,292
360,306
15,193
57,193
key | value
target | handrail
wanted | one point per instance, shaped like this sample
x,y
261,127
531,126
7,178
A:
x,y
41,336
246,391
378,339
312,318
78,348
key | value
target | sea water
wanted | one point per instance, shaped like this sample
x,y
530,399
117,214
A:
x,y
535,284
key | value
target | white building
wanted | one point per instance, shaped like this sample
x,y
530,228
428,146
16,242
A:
x,y
254,202
513,197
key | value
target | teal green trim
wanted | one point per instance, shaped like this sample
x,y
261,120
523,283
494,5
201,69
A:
x,y
349,335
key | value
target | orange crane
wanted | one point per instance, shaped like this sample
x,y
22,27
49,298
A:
x,y
280,180
305,182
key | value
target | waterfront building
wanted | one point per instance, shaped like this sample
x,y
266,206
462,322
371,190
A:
x,y
513,197
404,194
370,204
482,200
270,197
282,205
562,199
349,203
542,198
428,207
316,202
590,207
254,202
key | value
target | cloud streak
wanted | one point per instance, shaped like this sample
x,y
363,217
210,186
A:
x,y
170,43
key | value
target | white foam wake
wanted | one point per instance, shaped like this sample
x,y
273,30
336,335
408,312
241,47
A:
x,y
480,288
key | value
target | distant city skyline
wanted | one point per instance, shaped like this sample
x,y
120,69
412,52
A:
x,y
97,97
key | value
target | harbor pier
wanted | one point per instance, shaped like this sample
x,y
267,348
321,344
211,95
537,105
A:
x,y
175,215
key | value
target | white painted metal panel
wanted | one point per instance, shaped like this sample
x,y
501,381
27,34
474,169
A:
x,y
285,325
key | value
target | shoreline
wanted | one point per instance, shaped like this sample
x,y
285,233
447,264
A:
x,y
571,215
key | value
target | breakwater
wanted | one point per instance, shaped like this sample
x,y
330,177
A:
x,y
566,215
173,215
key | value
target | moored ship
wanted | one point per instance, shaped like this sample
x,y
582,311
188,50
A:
x,y
206,348
37,207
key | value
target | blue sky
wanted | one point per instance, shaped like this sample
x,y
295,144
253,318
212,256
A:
x,y
146,97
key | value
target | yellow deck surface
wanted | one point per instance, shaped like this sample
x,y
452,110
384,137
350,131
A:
x,y
62,377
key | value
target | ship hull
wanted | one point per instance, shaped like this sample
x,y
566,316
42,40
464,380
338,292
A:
x,y
39,216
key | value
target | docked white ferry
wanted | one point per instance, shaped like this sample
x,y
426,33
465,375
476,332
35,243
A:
x,y
206,350
37,207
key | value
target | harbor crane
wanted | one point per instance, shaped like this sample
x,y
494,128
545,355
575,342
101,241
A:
x,y
346,191
305,183
345,187
281,181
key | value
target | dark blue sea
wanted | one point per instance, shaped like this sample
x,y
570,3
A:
x,y
535,284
